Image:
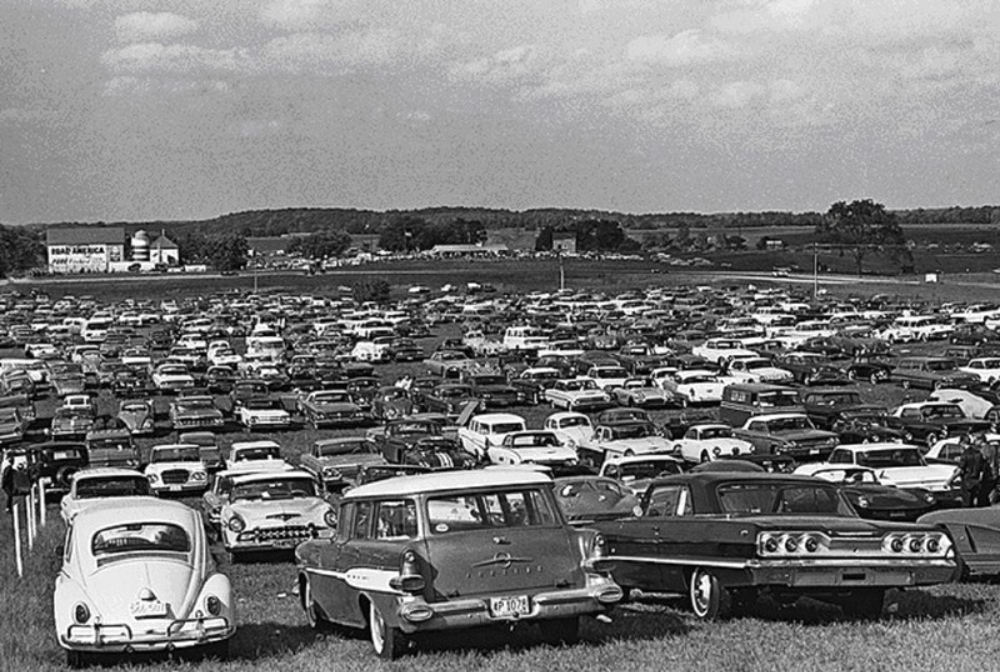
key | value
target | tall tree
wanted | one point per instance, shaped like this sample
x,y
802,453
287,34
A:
x,y
322,244
862,228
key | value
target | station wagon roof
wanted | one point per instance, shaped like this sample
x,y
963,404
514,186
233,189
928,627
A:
x,y
442,482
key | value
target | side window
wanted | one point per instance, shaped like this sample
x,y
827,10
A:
x,y
840,457
396,519
344,520
361,526
666,501
910,413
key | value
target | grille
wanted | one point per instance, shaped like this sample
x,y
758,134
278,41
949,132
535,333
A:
x,y
290,532
175,476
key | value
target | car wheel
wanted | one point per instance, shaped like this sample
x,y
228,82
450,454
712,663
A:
x,y
710,601
560,631
908,437
314,615
865,604
852,374
389,643
873,379
931,439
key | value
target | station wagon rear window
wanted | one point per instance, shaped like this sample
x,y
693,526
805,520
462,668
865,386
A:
x,y
489,510
781,498
141,537
94,488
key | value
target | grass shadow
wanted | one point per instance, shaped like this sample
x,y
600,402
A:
x,y
262,640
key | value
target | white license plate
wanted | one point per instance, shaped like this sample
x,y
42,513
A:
x,y
148,609
509,607
814,451
175,488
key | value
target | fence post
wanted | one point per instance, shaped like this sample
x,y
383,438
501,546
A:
x,y
41,503
29,505
17,538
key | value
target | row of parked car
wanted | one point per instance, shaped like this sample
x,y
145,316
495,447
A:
x,y
556,522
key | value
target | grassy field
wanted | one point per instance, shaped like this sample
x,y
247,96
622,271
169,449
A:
x,y
950,627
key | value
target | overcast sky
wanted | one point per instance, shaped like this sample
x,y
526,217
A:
x,y
182,109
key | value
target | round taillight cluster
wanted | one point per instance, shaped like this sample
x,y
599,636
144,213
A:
x,y
926,544
785,543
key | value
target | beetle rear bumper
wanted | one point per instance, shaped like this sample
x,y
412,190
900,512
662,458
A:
x,y
119,637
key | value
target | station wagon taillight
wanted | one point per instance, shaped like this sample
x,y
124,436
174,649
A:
x,y
410,580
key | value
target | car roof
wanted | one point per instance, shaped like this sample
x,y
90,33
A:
x,y
263,443
122,510
498,417
777,416
256,476
865,447
105,472
453,480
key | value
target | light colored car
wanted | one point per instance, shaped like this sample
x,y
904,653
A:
x,y
618,439
262,455
710,441
488,429
420,553
722,350
572,428
986,368
896,464
607,377
693,386
275,510
175,468
172,378
94,485
137,577
757,370
263,413
971,404
577,395
636,472
642,392
533,446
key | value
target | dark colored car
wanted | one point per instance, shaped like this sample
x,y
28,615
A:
x,y
57,463
825,407
873,368
589,498
875,501
724,538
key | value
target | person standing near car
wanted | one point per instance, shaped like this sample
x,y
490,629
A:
x,y
991,471
971,466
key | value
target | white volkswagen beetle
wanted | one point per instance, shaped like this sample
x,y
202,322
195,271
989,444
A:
x,y
137,577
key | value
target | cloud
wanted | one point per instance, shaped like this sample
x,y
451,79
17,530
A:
x,y
306,52
153,27
141,86
304,15
506,66
149,57
686,48
738,94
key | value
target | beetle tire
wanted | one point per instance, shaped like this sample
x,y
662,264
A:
x,y
710,600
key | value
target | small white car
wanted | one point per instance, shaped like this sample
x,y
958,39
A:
x,y
267,511
532,447
636,471
263,413
757,370
572,428
706,442
137,576
172,378
722,350
489,429
607,377
577,395
694,386
175,468
94,485
263,455
643,393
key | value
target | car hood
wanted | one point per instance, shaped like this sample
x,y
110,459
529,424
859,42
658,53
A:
x,y
280,512
546,454
116,585
916,477
645,445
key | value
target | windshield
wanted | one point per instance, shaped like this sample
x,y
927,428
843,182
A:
x,y
789,424
332,398
95,488
347,448
489,510
267,453
610,372
636,431
135,408
179,454
642,470
141,537
716,433
506,428
781,498
943,411
779,399
285,488
895,457
941,365
581,421
534,440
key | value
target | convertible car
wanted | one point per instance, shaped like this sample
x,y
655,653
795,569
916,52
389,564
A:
x,y
725,538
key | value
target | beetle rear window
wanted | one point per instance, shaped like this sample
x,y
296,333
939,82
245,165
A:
x,y
141,537
489,510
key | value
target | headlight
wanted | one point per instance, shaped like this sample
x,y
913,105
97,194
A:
x,y
152,478
199,476
237,524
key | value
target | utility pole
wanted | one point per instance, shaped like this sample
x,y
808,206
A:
x,y
815,271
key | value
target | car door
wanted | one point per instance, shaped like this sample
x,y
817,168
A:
x,y
329,575
648,548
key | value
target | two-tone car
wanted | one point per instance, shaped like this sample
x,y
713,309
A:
x,y
273,510
577,394
450,551
725,538
137,577
533,446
